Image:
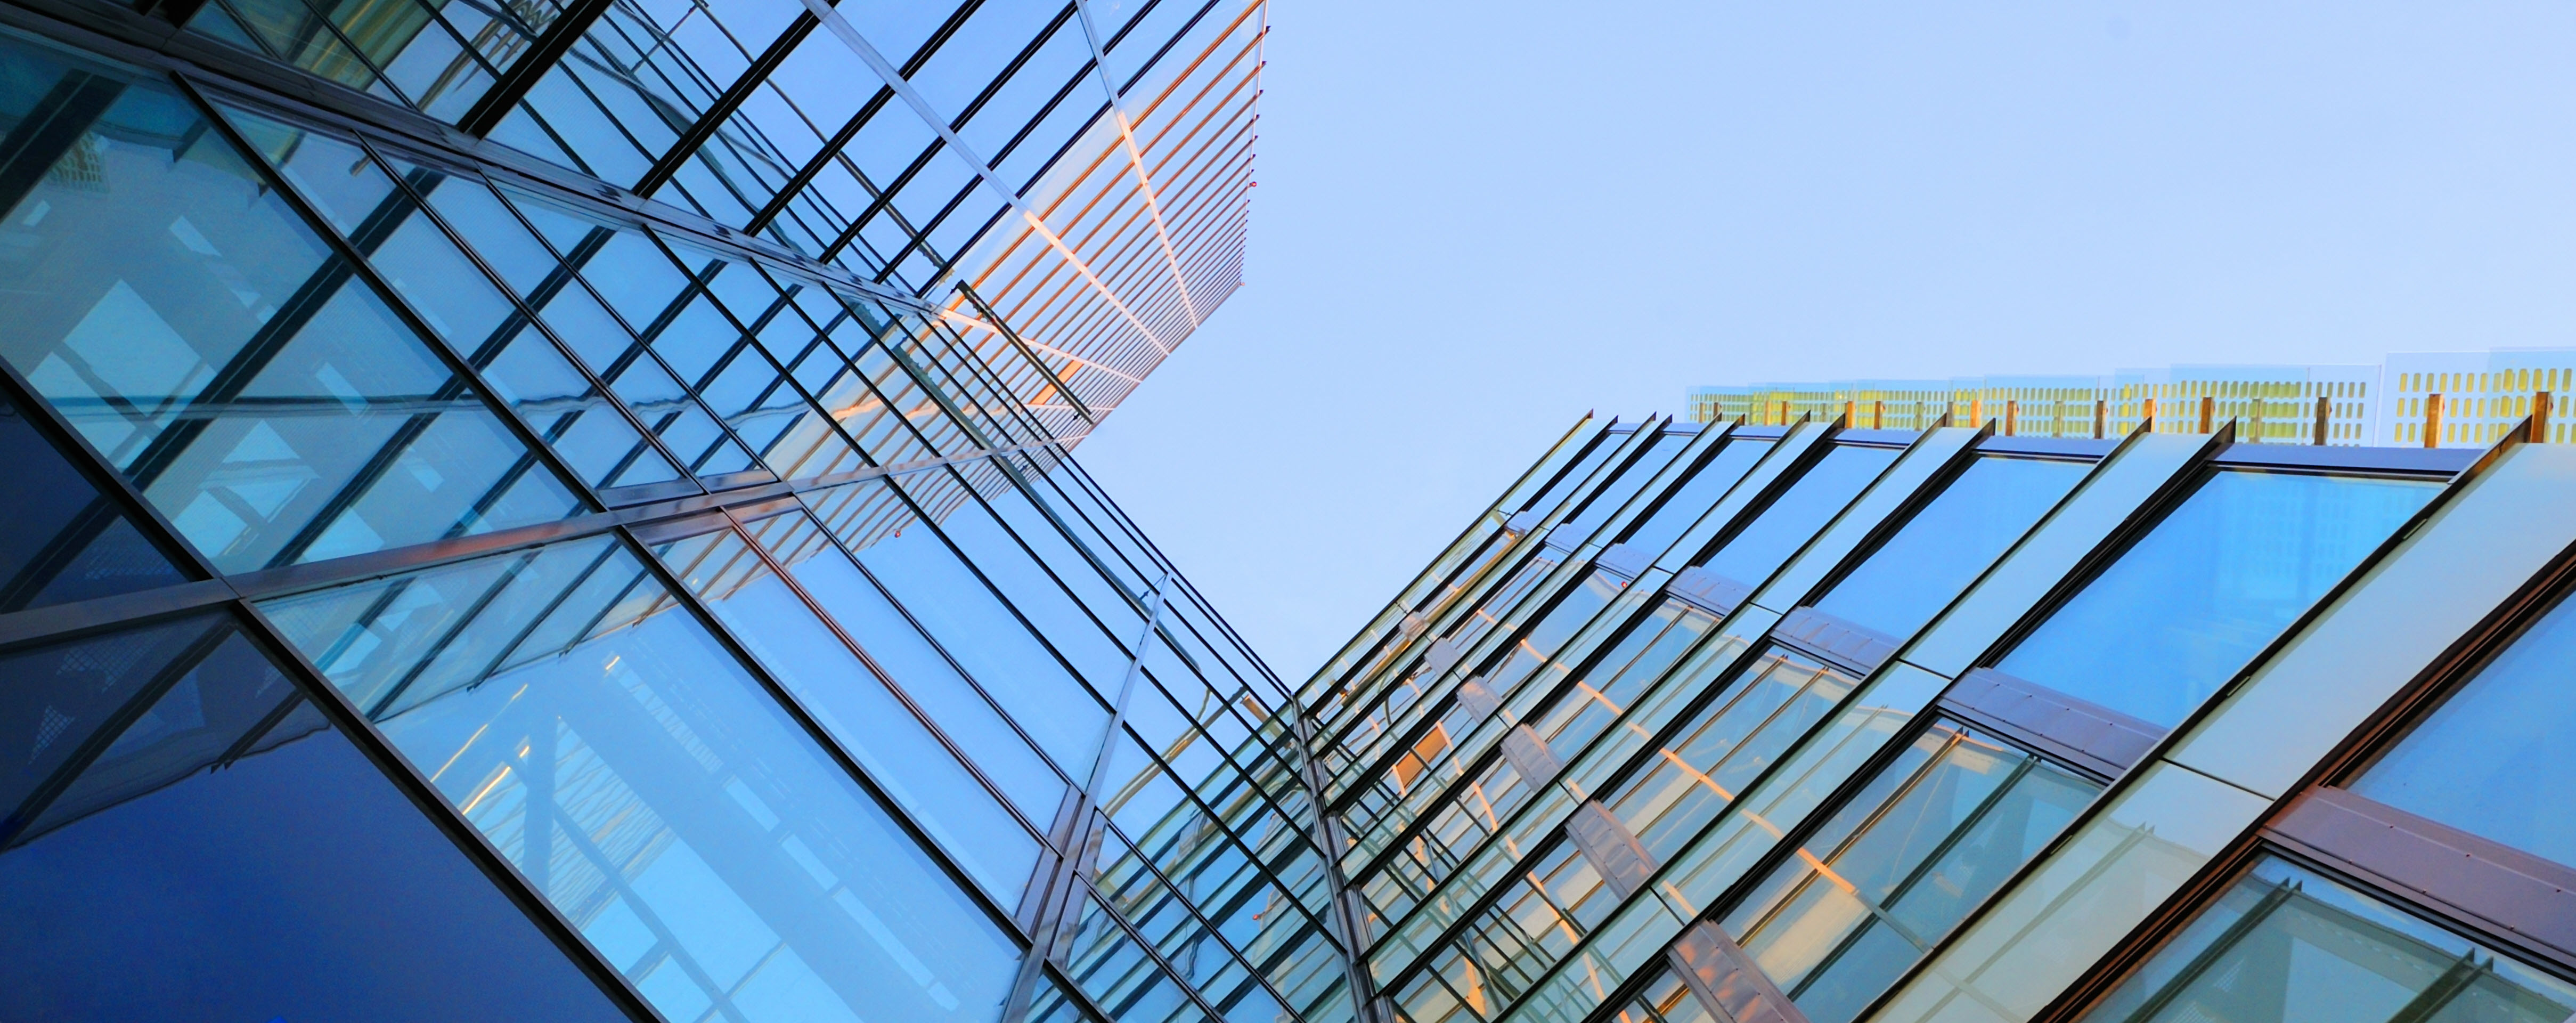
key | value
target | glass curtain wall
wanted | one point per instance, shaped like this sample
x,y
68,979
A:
x,y
448,587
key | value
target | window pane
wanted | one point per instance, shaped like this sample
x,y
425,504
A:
x,y
2494,758
219,355
653,791
66,541
190,839
853,704
2209,586
460,304
1943,547
920,670
1614,495
1759,549
959,611
1697,495
1889,874
2288,946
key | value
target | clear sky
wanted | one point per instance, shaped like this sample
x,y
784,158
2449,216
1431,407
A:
x,y
1477,221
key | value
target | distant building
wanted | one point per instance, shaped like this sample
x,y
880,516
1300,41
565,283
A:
x,y
2480,395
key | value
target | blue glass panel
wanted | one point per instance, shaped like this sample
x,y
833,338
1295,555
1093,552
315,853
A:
x,y
2210,586
66,541
2285,945
653,791
851,702
189,839
1759,549
918,668
2494,759
959,611
1886,877
460,304
1614,495
1943,547
217,353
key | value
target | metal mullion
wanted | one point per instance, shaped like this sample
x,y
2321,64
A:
x,y
993,85
1147,65
831,148
325,24
1135,654
358,267
1081,845
727,100
980,369
514,83
686,601
424,796
1191,908
1250,855
642,348
937,645
736,518
527,313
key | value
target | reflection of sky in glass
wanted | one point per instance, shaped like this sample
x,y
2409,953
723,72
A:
x,y
1761,548
2494,760
653,791
2212,584
1938,552
1680,511
2287,945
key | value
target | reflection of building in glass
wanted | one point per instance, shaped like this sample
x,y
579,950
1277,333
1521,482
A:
x,y
1842,718
563,511
2481,395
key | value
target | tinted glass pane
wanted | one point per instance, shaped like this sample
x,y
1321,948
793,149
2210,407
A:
x,y
2209,586
267,401
1890,873
460,304
1696,495
863,611
1614,496
189,839
2494,758
959,611
2288,946
1943,547
653,790
66,541
852,703
1759,549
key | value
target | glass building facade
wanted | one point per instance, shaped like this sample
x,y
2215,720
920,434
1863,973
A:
x,y
1817,721
562,511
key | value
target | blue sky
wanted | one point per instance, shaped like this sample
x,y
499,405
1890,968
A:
x,y
1475,222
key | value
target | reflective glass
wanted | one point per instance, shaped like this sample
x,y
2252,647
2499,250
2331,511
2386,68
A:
x,y
188,838
1696,495
2288,946
774,623
1726,747
1665,999
1759,549
1613,496
1887,876
587,327
1943,547
2211,585
959,611
66,540
918,668
2494,759
653,791
219,354
445,289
